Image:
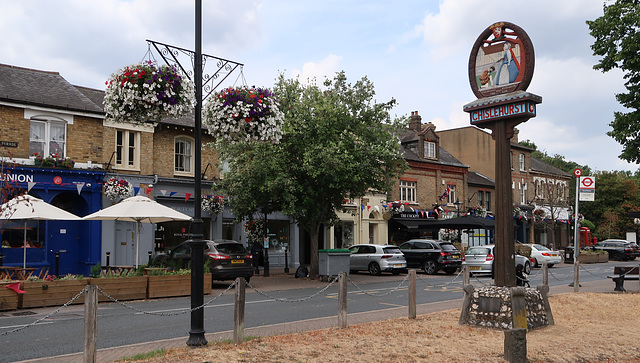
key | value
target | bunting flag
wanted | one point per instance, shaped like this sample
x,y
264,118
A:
x,y
377,207
30,185
79,186
187,196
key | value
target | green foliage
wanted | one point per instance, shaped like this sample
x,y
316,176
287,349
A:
x,y
616,195
143,356
96,270
617,40
337,143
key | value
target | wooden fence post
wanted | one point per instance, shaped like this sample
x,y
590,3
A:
x,y
238,312
342,300
412,294
90,324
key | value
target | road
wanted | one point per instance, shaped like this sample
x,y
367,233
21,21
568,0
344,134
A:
x,y
153,320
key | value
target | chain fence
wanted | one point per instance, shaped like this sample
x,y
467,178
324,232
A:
x,y
358,287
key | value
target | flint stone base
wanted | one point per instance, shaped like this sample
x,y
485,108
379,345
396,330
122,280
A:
x,y
491,307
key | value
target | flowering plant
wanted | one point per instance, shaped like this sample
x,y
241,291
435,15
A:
x,y
53,161
116,188
255,230
214,204
480,211
145,91
243,114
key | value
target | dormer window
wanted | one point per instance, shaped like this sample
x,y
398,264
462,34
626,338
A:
x,y
429,150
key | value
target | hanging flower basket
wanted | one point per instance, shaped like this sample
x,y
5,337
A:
x,y
255,230
243,114
116,188
146,92
214,204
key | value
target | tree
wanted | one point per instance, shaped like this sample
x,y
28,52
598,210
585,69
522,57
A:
x,y
337,143
617,40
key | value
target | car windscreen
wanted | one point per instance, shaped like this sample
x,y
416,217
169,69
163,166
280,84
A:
x,y
231,248
541,248
392,250
478,251
448,247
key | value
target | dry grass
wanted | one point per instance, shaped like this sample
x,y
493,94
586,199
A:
x,y
589,328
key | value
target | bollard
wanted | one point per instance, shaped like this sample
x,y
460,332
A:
x,y
286,262
412,294
545,274
515,345
108,255
342,300
57,264
149,263
238,313
91,324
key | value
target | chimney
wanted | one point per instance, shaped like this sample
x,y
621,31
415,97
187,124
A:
x,y
514,139
415,121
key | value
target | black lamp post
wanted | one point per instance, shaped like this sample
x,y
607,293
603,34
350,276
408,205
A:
x,y
170,55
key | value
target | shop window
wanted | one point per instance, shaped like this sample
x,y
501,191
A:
x,y
183,164
343,234
408,191
127,150
278,234
47,138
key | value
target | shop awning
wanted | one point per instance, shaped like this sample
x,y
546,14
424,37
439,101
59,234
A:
x,y
464,222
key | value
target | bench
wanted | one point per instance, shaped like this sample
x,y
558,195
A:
x,y
621,273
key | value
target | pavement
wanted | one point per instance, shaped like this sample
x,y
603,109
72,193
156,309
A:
x,y
279,280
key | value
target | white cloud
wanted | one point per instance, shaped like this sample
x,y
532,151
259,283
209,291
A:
x,y
326,68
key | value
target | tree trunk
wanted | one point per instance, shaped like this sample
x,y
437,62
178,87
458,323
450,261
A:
x,y
314,235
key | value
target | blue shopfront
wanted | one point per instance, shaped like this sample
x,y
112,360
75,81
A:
x,y
72,247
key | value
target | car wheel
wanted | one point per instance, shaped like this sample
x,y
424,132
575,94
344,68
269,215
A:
x,y
527,267
374,269
430,267
550,265
450,271
537,264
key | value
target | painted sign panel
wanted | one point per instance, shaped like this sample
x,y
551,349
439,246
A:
x,y
527,108
501,61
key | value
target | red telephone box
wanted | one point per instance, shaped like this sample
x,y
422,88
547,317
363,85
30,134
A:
x,y
585,237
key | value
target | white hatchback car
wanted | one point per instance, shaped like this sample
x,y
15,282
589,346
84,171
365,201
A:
x,y
541,254
376,259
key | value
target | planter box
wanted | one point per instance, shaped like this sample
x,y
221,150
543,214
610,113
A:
x,y
173,285
121,288
8,297
593,258
51,293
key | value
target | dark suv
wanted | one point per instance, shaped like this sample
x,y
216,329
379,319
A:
x,y
618,249
431,256
227,259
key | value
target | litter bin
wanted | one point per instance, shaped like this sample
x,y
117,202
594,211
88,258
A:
x,y
333,261
568,254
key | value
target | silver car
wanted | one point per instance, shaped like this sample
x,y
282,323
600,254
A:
x,y
480,260
376,259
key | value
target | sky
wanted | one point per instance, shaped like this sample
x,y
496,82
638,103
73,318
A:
x,y
414,51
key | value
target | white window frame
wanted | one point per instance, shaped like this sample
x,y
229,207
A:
x,y
451,198
189,169
48,137
408,191
126,158
523,194
429,151
521,160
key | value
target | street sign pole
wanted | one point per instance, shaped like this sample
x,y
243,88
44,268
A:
x,y
576,240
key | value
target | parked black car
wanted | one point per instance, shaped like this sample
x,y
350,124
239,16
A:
x,y
618,249
227,259
431,256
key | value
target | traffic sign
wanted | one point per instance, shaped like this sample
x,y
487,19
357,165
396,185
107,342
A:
x,y
587,186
